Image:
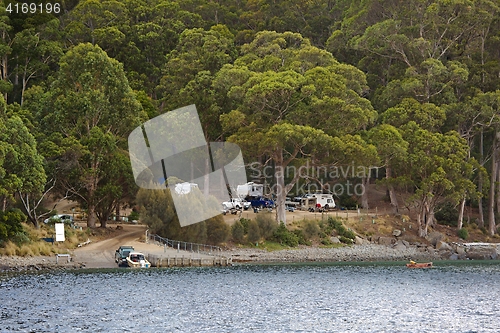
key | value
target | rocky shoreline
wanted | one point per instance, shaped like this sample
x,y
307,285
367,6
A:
x,y
33,264
366,252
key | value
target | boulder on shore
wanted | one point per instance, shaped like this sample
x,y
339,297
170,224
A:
x,y
399,246
440,245
386,240
334,240
482,253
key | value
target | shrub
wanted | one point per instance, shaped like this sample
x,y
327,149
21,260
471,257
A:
x,y
311,229
349,234
326,241
463,233
285,237
267,225
447,214
326,228
342,231
346,201
134,215
253,232
217,230
244,223
345,240
238,232
11,227
301,238
334,223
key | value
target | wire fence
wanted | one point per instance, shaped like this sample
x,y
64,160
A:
x,y
185,246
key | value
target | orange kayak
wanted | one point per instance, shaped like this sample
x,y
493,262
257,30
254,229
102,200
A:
x,y
419,265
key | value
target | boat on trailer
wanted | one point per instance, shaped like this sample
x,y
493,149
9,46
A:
x,y
137,260
413,264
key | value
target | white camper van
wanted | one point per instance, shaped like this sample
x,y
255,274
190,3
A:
x,y
184,188
250,189
324,201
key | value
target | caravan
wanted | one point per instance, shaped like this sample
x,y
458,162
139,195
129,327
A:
x,y
250,189
324,201
317,201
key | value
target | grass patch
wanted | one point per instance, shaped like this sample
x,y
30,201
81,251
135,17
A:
x,y
270,246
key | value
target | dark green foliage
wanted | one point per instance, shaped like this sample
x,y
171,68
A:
x,y
11,227
301,238
345,235
238,231
253,232
134,215
463,233
334,223
447,214
326,241
267,225
285,237
345,240
244,223
217,230
347,202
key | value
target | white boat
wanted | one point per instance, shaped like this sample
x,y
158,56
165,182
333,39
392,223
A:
x,y
137,260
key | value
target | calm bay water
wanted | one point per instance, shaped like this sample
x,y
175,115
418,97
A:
x,y
452,297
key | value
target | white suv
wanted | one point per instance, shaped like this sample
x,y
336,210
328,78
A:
x,y
65,218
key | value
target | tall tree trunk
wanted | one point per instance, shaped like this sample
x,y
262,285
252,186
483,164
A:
x,y
461,214
429,221
392,192
364,196
117,212
280,189
493,177
91,216
480,182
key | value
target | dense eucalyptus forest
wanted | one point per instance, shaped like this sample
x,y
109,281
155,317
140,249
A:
x,y
410,87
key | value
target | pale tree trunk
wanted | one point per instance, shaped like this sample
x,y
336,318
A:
x,y
498,187
280,189
91,216
493,177
425,218
430,222
91,213
392,192
364,197
461,214
480,182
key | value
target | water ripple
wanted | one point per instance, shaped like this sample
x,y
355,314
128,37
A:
x,y
266,298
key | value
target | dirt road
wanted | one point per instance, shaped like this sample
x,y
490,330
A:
x,y
102,254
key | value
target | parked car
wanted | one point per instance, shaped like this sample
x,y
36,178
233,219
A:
x,y
262,202
121,255
236,203
65,218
